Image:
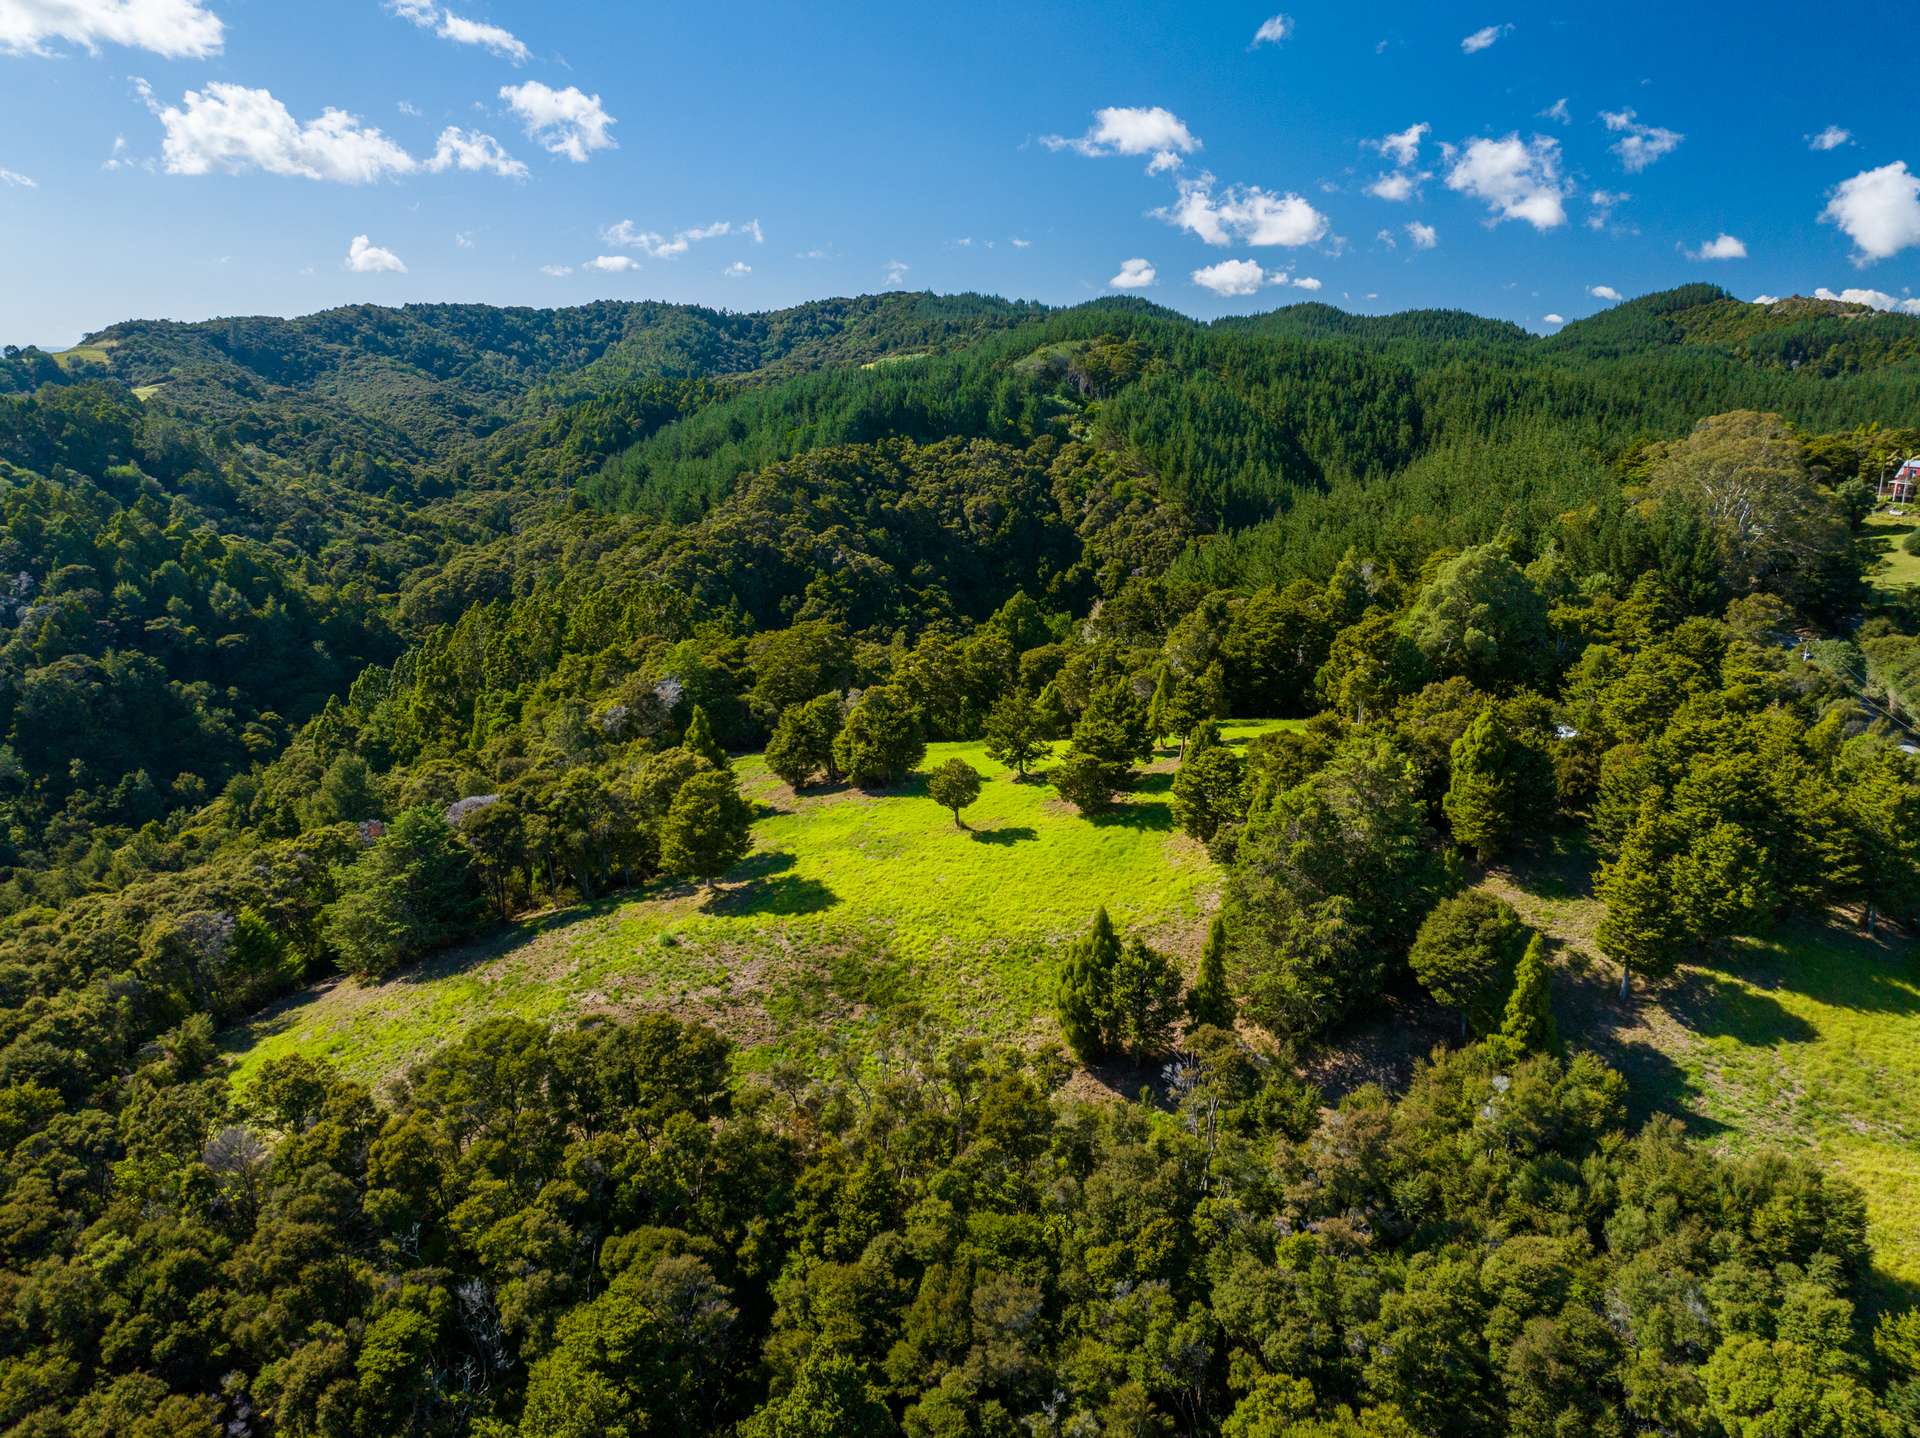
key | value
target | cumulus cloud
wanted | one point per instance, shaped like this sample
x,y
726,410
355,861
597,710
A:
x,y
1403,148
1231,277
1243,212
1273,30
470,150
897,273
1134,275
1557,112
567,122
462,31
1879,210
1518,179
657,246
1306,282
1018,243
364,257
1484,37
1603,292
1831,138
612,264
1399,185
14,177
1553,319
1875,299
1132,130
234,129
739,269
1424,237
1721,247
1639,145
559,272
176,29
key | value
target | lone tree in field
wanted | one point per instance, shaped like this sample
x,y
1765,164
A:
x,y
954,785
1210,1002
1465,955
1015,734
708,829
1085,986
699,739
1086,781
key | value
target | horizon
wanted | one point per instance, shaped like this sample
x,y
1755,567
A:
x,y
214,159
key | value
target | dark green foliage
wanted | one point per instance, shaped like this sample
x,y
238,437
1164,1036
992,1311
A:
x,y
1086,781
709,828
1466,954
1116,998
1209,790
1081,993
1501,784
413,890
1014,732
1210,1000
879,743
802,742
954,785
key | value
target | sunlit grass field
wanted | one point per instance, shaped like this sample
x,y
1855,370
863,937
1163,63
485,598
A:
x,y
850,906
1894,568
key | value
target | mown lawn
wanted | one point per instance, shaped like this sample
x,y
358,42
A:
x,y
1894,568
851,905
1807,1039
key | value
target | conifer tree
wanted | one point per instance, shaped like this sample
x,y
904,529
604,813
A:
x,y
1160,720
1143,999
1498,782
699,739
1529,1024
1645,927
708,829
1210,1001
1085,988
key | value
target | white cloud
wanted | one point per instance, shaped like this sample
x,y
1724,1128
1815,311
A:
x,y
1831,138
177,29
470,150
14,177
235,129
1306,282
1231,277
1721,247
463,31
1132,130
1424,237
463,239
559,272
1273,30
1639,145
366,258
1386,238
657,246
408,108
1876,299
1603,292
567,122
1557,112
739,269
897,272
459,29
1603,202
1879,210
1020,244
612,264
1134,275
1518,180
1244,212
1553,319
1397,186
1482,38
1404,147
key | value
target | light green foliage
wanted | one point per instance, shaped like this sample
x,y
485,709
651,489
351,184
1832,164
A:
x,y
879,743
1465,955
699,740
1481,617
954,785
707,831
1528,1021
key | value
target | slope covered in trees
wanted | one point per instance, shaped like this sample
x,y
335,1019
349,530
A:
x,y
351,638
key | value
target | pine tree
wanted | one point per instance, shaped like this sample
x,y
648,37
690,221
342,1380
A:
x,y
1210,1001
1645,927
699,739
1529,1024
1160,721
1014,731
1143,1000
1498,781
1084,995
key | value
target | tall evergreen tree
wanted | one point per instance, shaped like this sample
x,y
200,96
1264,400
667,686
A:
x,y
708,829
1084,993
1210,1000
699,739
1528,1023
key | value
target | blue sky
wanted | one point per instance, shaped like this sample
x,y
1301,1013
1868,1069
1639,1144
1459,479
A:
x,y
188,158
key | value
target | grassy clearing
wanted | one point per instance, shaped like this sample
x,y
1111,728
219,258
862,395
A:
x,y
82,354
1893,568
1807,1040
850,905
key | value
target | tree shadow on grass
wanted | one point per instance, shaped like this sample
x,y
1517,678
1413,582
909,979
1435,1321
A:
x,y
1134,815
1720,1007
761,865
1006,834
780,895
1832,964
